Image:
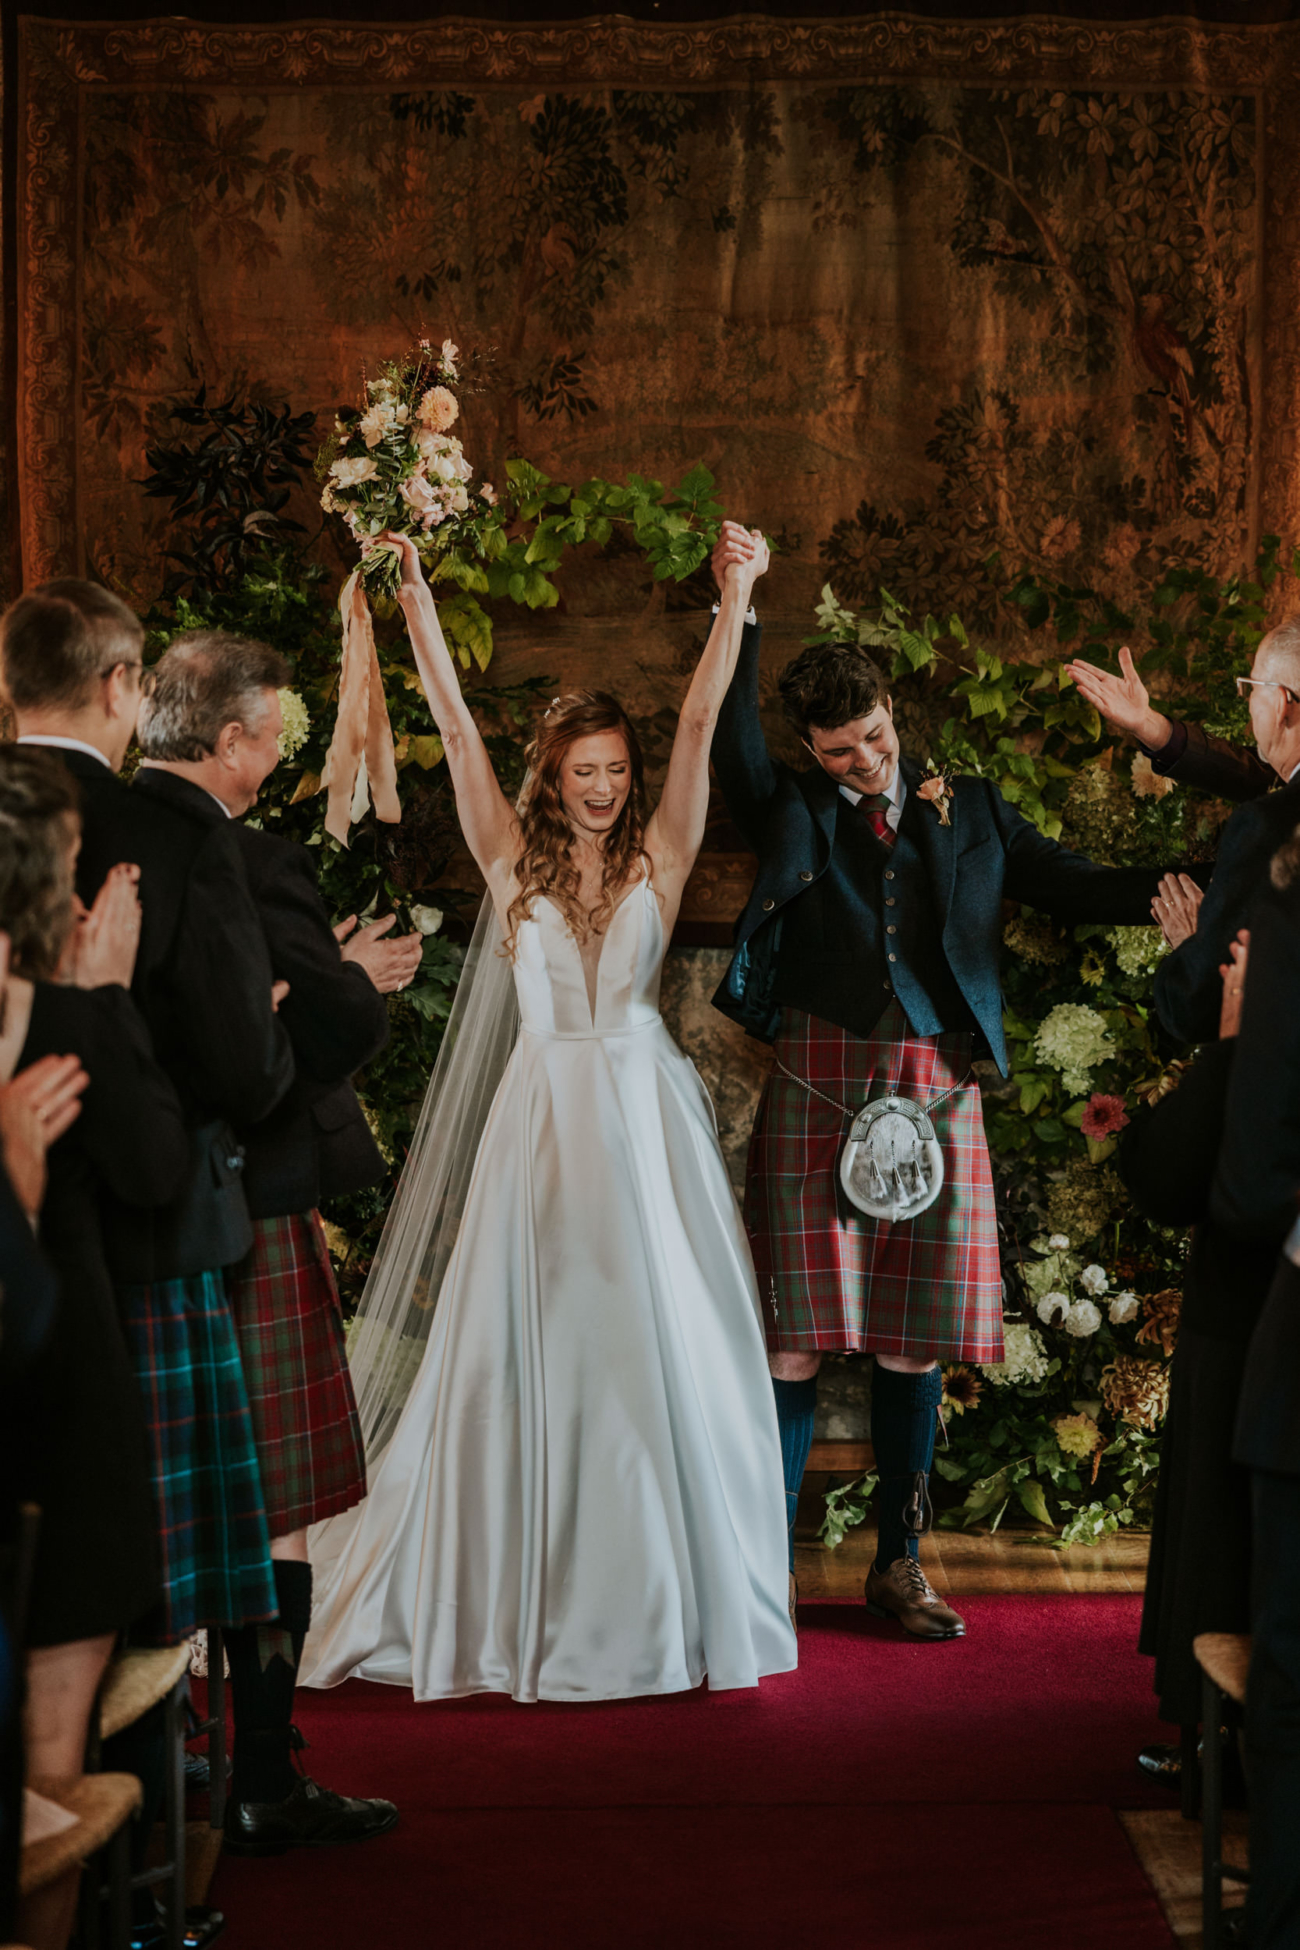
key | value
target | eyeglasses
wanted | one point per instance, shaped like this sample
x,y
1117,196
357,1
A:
x,y
1244,685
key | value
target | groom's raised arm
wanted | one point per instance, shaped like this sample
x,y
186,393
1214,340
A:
x,y
744,769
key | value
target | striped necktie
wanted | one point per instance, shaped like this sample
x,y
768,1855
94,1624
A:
x,y
875,805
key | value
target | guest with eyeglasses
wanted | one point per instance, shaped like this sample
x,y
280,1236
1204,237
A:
x,y
1200,929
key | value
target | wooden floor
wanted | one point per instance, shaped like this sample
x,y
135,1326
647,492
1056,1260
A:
x,y
958,1561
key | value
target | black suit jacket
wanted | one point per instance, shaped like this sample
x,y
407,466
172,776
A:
x,y
316,1143
1195,757
1258,1177
1188,987
203,985
951,881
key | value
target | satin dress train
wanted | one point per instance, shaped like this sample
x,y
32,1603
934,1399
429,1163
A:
x,y
583,1499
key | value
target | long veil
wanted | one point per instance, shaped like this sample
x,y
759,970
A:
x,y
387,1340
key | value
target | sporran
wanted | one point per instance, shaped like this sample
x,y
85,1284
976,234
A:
x,y
891,1166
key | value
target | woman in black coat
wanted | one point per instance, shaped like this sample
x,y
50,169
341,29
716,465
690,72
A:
x,y
1198,1579
83,1442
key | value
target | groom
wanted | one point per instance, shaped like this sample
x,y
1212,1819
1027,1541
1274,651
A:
x,y
869,946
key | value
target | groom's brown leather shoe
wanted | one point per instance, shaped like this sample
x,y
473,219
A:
x,y
905,1593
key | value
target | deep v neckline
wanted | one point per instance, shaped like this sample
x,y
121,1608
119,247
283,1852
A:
x,y
592,994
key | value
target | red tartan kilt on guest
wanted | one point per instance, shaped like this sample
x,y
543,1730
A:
x,y
290,1327
832,1278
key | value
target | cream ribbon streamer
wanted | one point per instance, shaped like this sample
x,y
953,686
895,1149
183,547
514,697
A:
x,y
361,750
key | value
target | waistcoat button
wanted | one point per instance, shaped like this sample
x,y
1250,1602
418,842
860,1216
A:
x,y
889,873
890,901
805,875
893,958
768,905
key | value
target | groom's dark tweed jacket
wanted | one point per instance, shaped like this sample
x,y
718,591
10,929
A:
x,y
835,924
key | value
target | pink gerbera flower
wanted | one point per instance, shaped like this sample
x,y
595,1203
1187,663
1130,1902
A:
x,y
1103,1117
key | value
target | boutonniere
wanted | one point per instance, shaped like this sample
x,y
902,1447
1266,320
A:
x,y
937,792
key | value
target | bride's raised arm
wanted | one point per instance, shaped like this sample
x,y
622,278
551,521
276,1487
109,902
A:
x,y
486,816
676,827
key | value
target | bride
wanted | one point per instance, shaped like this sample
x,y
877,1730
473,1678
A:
x,y
580,1495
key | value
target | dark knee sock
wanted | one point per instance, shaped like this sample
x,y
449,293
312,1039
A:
x,y
902,1434
264,1663
796,1405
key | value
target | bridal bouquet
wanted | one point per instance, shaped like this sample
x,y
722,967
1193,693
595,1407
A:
x,y
394,462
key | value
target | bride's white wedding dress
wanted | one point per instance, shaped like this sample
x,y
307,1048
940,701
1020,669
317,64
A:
x,y
583,1498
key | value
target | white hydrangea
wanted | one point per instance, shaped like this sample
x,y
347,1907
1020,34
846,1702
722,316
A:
x,y
1074,1040
296,723
1093,1280
1082,1318
1137,950
1025,1358
1059,1242
1122,1308
1051,1305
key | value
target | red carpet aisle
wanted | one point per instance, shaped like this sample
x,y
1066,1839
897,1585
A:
x,y
890,1795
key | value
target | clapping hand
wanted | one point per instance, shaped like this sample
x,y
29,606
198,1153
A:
x,y
102,946
740,557
1177,907
391,965
36,1108
1123,701
1233,972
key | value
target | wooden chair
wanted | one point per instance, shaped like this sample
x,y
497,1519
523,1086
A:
x,y
103,1805
1224,1659
136,1680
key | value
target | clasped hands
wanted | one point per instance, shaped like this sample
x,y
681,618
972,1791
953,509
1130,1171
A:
x,y
740,557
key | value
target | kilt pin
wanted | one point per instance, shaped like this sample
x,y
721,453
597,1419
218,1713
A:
x,y
829,1276
289,1324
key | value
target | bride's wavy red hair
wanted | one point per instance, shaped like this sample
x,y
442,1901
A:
x,y
545,864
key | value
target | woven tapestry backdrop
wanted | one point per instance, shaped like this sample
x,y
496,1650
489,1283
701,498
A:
x,y
915,291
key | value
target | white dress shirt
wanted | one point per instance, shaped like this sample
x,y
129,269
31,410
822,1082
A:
x,y
64,745
895,792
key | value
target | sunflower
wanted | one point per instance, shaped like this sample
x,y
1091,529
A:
x,y
1136,1391
962,1389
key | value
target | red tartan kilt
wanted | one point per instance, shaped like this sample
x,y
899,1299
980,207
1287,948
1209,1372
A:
x,y
830,1277
291,1346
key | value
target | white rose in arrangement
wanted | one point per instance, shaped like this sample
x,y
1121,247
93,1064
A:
x,y
1123,1308
459,498
1083,1318
375,424
295,725
351,473
1026,1357
427,919
1059,1242
1093,1280
442,465
1051,1305
1074,1040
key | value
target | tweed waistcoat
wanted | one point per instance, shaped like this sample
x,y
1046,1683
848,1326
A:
x,y
834,959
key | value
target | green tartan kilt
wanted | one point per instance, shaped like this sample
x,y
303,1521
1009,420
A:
x,y
831,1278
216,1550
